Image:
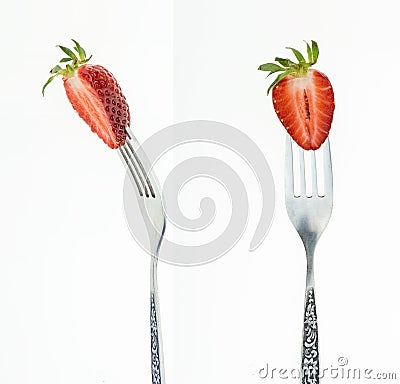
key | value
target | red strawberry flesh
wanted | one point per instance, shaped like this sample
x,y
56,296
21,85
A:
x,y
305,105
97,97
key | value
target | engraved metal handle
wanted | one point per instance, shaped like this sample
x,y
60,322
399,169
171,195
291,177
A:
x,y
155,343
310,353
157,361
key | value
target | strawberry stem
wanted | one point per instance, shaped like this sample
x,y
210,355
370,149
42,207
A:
x,y
70,68
288,67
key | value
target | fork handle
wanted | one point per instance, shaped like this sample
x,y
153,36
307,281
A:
x,y
310,353
156,369
157,362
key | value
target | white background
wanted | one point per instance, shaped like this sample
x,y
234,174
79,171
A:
x,y
74,284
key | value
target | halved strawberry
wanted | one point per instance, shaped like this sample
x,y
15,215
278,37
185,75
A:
x,y
303,98
95,95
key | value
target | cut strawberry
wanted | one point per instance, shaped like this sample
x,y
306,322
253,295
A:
x,y
95,95
303,98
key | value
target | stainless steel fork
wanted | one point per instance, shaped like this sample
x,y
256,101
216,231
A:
x,y
310,216
150,203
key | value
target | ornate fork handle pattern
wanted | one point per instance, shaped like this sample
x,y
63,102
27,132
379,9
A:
x,y
310,355
155,344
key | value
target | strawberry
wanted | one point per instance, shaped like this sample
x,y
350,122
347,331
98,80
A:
x,y
303,98
95,95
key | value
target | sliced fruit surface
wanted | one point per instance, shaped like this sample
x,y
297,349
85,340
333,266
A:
x,y
303,98
95,94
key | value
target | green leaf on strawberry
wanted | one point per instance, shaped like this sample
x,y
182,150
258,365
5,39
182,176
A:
x,y
315,51
69,53
80,50
309,52
271,67
298,55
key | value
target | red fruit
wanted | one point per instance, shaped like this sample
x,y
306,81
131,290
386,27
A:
x,y
305,107
96,96
303,98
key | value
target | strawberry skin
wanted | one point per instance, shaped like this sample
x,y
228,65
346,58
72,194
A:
x,y
96,96
305,106
303,98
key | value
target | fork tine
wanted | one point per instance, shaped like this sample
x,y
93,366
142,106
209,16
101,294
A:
x,y
302,173
132,173
328,169
289,188
314,174
132,160
140,164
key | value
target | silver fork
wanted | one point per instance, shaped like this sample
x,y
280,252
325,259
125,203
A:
x,y
310,216
150,203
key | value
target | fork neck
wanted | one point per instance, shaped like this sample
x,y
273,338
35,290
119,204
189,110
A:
x,y
310,273
310,248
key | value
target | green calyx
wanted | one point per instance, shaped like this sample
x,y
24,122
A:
x,y
288,67
75,62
